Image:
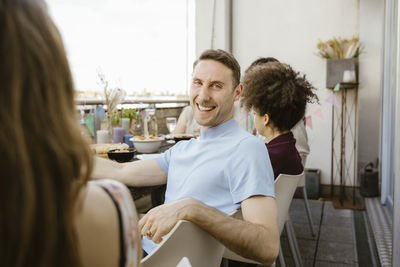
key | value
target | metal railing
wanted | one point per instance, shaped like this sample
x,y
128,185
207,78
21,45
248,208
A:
x,y
95,101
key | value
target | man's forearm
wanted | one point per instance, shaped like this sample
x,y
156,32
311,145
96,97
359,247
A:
x,y
250,240
137,173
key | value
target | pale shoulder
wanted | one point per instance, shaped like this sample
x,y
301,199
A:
x,y
97,227
96,201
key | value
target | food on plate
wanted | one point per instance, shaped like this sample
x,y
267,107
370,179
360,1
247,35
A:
x,y
121,150
180,137
122,155
151,137
102,149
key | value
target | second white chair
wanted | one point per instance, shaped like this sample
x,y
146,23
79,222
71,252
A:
x,y
285,186
188,240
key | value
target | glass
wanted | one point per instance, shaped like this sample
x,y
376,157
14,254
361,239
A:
x,y
171,123
150,122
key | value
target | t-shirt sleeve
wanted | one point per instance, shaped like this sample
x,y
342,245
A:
x,y
164,159
250,171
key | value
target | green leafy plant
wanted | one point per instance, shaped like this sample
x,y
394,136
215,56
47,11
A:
x,y
131,113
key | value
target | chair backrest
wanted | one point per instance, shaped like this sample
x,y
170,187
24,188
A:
x,y
188,240
285,186
184,263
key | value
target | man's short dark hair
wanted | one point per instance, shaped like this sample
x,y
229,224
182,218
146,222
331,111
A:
x,y
277,90
225,58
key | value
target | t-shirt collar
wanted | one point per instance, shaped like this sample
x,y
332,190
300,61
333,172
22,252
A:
x,y
218,130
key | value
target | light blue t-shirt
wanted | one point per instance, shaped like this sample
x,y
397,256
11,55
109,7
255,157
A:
x,y
221,168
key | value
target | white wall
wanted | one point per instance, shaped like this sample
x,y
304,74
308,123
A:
x,y
289,30
371,73
208,34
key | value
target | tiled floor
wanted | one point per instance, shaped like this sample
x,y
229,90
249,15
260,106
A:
x,y
334,243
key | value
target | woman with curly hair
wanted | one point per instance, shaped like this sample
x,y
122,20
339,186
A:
x,y
278,95
49,214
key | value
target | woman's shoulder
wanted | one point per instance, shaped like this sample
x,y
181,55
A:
x,y
130,249
121,197
97,227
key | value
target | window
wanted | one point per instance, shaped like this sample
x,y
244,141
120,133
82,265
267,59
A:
x,y
145,47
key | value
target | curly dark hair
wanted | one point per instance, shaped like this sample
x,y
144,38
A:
x,y
277,90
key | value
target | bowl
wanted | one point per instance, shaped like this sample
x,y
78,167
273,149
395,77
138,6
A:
x,y
121,155
146,145
179,137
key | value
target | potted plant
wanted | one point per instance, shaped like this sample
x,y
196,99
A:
x,y
131,113
342,55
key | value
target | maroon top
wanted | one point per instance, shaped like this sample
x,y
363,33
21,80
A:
x,y
284,156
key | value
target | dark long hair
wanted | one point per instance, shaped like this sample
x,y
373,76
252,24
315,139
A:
x,y
43,158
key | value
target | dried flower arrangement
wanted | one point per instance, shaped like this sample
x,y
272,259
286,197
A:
x,y
340,48
113,97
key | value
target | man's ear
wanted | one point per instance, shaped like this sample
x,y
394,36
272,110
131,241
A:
x,y
266,119
238,91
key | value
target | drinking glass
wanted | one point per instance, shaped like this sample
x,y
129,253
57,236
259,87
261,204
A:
x,y
171,123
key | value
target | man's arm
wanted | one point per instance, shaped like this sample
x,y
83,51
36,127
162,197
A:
x,y
137,173
256,237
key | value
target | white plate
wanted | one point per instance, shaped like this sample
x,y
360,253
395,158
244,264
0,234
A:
x,y
147,156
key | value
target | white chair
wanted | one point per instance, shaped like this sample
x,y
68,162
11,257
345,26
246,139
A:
x,y
285,186
184,263
188,240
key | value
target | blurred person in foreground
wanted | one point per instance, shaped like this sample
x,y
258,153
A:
x,y
50,214
212,176
278,96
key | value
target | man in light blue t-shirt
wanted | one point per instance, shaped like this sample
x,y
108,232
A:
x,y
212,176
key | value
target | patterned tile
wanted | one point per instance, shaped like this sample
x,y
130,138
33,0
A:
x,y
336,252
333,264
338,234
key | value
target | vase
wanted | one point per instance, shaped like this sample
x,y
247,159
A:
x,y
109,125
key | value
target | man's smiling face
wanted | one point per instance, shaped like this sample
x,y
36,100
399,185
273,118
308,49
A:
x,y
212,94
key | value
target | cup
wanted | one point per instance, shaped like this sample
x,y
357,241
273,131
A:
x,y
118,135
171,123
125,123
349,76
102,137
127,140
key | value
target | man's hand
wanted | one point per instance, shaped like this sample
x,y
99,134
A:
x,y
256,237
160,220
